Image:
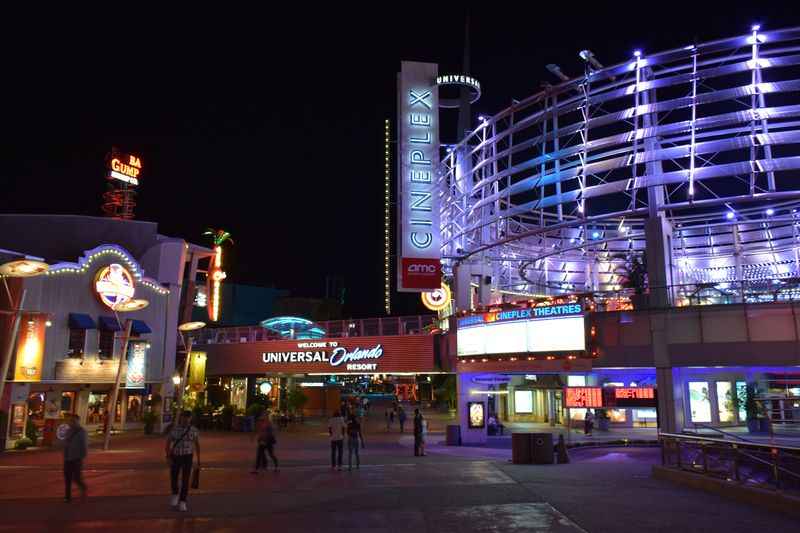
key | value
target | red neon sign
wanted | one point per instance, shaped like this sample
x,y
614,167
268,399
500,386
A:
x,y
580,397
635,393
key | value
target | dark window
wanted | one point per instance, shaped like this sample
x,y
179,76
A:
x,y
77,342
105,344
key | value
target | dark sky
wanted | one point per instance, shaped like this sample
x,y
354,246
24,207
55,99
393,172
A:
x,y
269,124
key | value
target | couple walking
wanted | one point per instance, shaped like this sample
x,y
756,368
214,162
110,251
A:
x,y
338,429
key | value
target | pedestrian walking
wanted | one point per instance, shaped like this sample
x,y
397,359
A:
x,y
76,447
588,422
355,439
417,432
424,435
401,417
336,429
265,435
183,442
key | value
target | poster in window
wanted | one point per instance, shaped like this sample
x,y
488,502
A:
x,y
197,370
477,415
137,361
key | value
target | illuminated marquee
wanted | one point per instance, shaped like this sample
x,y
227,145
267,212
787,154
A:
x,y
418,157
336,357
125,168
114,285
214,282
137,364
583,397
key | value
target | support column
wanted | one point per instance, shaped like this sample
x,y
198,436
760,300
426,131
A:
x,y
669,386
658,234
470,436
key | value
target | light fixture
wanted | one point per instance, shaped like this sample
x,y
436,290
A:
x,y
131,305
755,27
191,326
23,268
729,215
176,379
770,212
48,323
637,53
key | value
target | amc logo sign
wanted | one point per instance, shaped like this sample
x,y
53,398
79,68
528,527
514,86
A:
x,y
421,273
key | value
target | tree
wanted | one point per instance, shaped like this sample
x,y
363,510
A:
x,y
296,399
446,391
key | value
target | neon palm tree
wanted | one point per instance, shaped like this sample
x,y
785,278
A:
x,y
216,274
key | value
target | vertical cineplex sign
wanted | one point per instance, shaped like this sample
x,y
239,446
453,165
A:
x,y
418,253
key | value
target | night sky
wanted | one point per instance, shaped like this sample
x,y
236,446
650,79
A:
x,y
270,124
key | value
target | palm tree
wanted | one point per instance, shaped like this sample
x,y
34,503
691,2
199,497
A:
x,y
218,236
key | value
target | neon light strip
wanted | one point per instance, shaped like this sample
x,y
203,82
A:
x,y
387,286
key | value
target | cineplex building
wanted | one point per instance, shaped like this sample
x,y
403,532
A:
x,y
624,240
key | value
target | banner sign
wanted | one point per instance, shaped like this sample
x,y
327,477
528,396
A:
x,y
137,364
356,355
30,348
610,397
419,236
197,370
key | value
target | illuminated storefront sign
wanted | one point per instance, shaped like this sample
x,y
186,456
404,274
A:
x,y
330,353
125,168
137,364
477,415
458,79
344,355
114,285
30,348
418,157
554,328
197,370
583,397
437,300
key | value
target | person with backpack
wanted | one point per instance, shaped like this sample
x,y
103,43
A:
x,y
265,435
76,447
183,441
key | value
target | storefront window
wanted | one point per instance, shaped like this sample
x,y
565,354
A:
x,y
105,344
699,402
725,402
239,393
36,408
644,417
617,415
741,393
523,401
67,403
97,408
77,342
134,413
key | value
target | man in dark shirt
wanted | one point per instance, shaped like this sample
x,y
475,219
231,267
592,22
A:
x,y
354,439
76,446
417,431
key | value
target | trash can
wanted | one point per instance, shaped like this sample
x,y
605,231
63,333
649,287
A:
x,y
453,435
521,448
542,448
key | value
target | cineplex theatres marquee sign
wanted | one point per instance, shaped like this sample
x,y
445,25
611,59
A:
x,y
347,355
419,265
546,329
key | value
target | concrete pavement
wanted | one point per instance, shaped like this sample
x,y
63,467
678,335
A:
x,y
601,490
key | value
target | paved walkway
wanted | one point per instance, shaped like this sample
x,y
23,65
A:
x,y
600,491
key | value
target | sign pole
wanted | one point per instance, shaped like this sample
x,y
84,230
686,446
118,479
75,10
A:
x,y
188,345
11,340
112,409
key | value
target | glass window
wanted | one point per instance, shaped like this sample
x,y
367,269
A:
x,y
576,381
97,408
699,402
67,403
741,394
725,402
134,412
105,344
77,342
523,401
617,415
644,417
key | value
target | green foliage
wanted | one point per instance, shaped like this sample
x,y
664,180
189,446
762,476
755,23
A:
x,y
30,430
23,443
446,391
751,406
150,419
255,410
296,399
218,236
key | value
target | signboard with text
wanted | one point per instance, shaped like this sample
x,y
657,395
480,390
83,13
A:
x,y
356,355
583,397
610,397
137,364
419,239
30,348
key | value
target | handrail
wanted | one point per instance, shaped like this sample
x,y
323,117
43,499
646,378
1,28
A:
x,y
725,441
718,430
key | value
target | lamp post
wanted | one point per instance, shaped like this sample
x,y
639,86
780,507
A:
x,y
187,344
126,306
21,268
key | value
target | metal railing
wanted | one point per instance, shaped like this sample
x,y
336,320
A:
x,y
748,463
368,327
695,294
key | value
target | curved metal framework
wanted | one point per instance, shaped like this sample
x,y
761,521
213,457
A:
x,y
555,191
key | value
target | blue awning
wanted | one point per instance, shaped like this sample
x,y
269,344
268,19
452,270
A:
x,y
140,327
81,321
108,323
